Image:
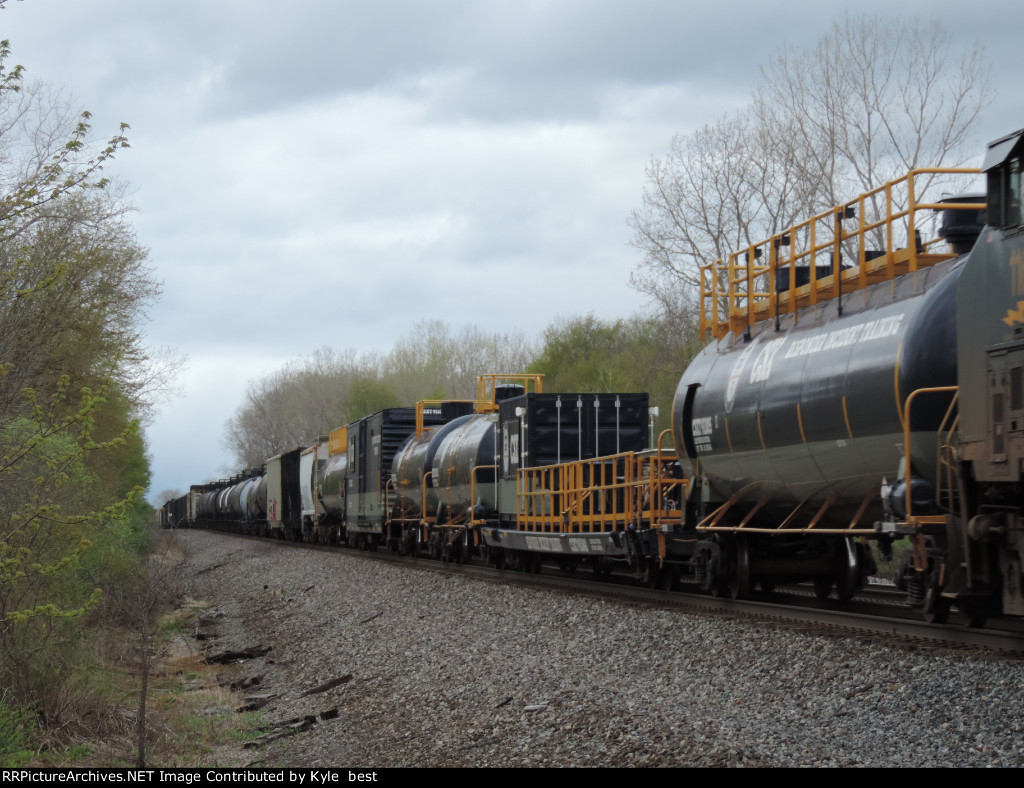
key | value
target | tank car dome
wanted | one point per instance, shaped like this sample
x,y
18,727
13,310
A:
x,y
504,391
962,226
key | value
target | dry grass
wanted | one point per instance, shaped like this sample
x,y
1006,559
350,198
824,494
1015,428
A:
x,y
190,716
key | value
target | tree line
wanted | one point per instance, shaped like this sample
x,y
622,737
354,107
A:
x,y
75,380
309,397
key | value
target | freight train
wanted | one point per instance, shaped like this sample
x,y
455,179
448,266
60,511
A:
x,y
861,386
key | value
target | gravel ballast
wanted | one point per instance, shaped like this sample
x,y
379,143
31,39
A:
x,y
430,670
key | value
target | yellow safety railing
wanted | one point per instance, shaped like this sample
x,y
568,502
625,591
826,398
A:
x,y
472,490
944,442
602,494
423,497
741,291
944,463
486,395
487,385
428,403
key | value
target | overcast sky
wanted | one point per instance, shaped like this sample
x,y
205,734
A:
x,y
324,172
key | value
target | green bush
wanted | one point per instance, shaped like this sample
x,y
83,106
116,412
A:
x,y
17,735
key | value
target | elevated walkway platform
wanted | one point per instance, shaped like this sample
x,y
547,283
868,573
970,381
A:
x,y
797,268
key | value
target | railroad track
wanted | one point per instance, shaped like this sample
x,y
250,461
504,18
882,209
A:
x,y
875,612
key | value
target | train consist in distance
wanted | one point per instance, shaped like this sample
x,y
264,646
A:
x,y
861,385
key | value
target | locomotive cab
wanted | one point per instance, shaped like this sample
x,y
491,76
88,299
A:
x,y
1002,167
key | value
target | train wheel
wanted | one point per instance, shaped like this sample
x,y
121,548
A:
x,y
934,607
937,609
718,575
823,587
739,576
848,573
974,610
652,573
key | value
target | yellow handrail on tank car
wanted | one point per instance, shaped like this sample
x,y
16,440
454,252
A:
x,y
426,403
486,387
472,490
918,540
600,495
486,393
423,500
911,518
740,292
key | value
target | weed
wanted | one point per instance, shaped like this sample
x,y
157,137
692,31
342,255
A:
x,y
889,566
18,735
77,753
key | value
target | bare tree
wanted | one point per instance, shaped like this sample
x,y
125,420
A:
x,y
148,588
310,397
872,100
718,189
431,361
294,405
169,494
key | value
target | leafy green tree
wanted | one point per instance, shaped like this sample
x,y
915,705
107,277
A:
x,y
583,354
74,378
369,395
587,354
